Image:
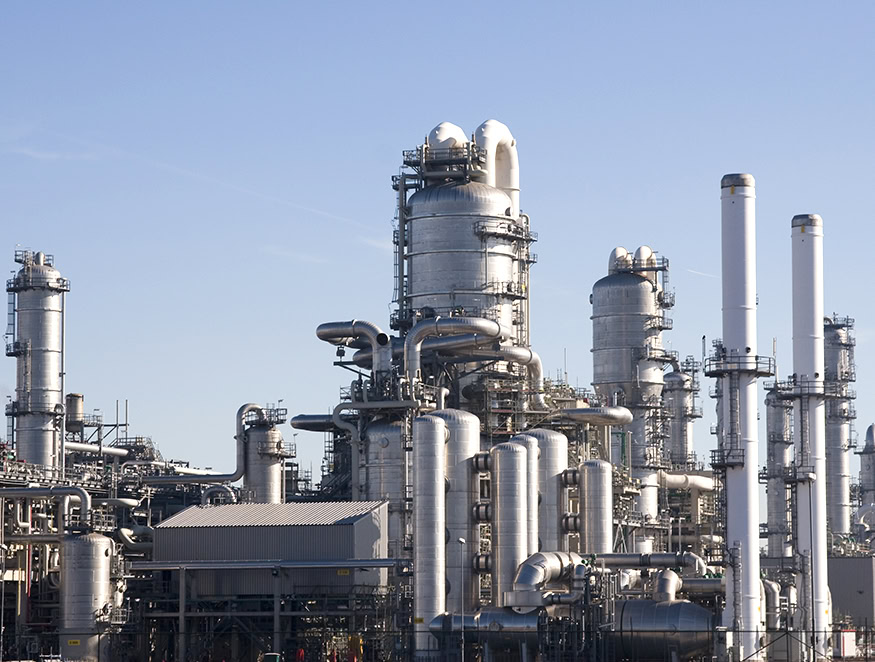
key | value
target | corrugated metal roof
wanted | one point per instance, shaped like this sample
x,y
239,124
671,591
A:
x,y
319,513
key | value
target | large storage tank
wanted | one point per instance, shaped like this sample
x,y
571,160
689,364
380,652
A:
x,y
86,596
38,345
265,455
384,477
462,251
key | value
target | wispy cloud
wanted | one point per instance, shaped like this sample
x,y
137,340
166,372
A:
x,y
701,273
49,155
384,245
308,258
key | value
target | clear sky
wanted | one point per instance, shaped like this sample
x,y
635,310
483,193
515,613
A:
x,y
214,177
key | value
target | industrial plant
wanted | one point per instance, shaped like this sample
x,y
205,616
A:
x,y
469,507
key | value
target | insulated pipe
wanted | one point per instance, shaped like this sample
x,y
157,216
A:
x,y
216,489
167,466
685,481
509,523
530,443
773,599
445,326
809,420
94,448
544,568
596,415
522,356
313,422
553,504
429,528
738,237
462,495
363,357
55,492
657,560
216,478
341,331
668,584
596,519
126,536
502,160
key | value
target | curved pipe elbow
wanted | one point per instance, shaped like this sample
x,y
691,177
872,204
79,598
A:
x,y
440,326
340,333
543,568
685,481
502,160
216,489
126,536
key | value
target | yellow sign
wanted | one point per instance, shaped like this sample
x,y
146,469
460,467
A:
x,y
72,642
343,572
419,619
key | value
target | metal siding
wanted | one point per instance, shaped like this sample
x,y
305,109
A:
x,y
269,514
852,585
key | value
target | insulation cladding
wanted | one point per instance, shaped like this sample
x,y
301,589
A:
x,y
38,347
264,463
463,249
314,531
86,595
382,476
554,497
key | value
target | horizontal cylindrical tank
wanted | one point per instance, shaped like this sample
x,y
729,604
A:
x,y
596,518
658,631
86,596
463,493
510,541
264,463
384,476
554,495
462,251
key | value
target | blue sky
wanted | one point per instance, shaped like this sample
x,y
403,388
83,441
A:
x,y
214,177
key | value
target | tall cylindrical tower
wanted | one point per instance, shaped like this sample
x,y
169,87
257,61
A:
x,y
383,477
810,411
510,539
839,372
86,594
867,467
554,495
779,459
596,518
532,488
737,365
38,344
265,456
628,357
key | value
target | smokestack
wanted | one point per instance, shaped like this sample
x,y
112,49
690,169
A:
x,y
810,423
738,366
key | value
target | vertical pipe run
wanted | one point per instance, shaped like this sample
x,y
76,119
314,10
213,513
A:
x,y
510,540
738,234
463,494
429,528
531,445
553,505
810,422
779,458
596,519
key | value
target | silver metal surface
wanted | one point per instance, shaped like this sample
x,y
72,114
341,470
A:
x,y
429,527
462,251
463,493
779,457
510,541
839,371
806,220
867,467
38,346
532,487
86,595
263,478
75,412
384,476
742,179
554,495
659,631
678,396
492,626
596,516
312,513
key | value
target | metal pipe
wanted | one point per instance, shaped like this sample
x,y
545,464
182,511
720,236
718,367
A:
x,y
95,448
429,527
502,160
216,478
685,481
126,536
215,489
740,441
544,568
809,421
54,492
530,443
522,356
445,326
668,584
313,422
596,519
510,539
596,415
167,465
553,505
269,563
341,331
364,357
656,560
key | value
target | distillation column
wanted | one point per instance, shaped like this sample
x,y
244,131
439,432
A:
x,y
809,420
839,372
738,366
38,344
779,458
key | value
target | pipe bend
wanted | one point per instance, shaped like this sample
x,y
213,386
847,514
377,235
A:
x,y
542,568
445,326
597,415
126,536
685,481
341,333
215,489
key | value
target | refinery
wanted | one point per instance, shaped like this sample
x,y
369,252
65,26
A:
x,y
470,506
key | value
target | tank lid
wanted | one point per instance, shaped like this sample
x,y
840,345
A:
x,y
737,179
807,220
